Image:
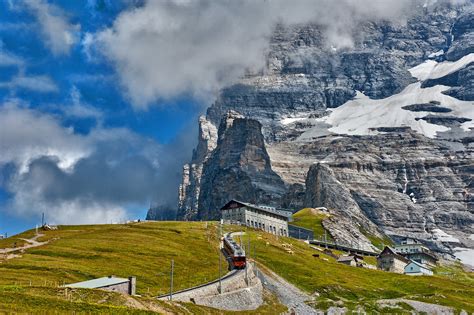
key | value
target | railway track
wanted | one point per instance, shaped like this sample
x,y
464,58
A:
x,y
229,275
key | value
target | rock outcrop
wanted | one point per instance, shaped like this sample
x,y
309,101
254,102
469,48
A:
x,y
239,168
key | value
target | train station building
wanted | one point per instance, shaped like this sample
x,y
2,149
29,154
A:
x,y
265,218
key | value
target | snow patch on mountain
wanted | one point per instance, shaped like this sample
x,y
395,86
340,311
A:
x,y
431,69
466,255
364,116
442,236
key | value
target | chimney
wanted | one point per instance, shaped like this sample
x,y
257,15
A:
x,y
132,283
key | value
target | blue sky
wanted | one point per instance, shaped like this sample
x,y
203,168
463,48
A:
x,y
78,94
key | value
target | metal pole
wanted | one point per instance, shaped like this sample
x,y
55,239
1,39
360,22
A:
x,y
255,259
220,258
171,281
247,261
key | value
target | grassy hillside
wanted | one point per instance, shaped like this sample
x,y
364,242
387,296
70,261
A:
x,y
77,253
339,284
311,219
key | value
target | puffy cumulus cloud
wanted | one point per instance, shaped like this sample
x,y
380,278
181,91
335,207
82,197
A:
x,y
166,48
59,34
74,178
27,134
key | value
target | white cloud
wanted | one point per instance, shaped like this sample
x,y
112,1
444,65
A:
x,y
9,59
167,48
74,178
27,134
37,83
77,108
58,33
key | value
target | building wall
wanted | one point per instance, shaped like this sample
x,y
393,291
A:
x,y
391,263
121,288
410,248
414,269
349,263
268,222
128,287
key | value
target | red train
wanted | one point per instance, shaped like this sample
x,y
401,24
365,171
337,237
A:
x,y
235,253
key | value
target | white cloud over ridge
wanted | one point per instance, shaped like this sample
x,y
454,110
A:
x,y
59,34
164,49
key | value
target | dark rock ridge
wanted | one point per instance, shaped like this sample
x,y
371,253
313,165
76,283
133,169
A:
x,y
462,36
427,107
444,120
239,168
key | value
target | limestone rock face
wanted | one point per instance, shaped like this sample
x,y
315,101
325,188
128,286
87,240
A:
x,y
239,168
406,185
463,36
188,194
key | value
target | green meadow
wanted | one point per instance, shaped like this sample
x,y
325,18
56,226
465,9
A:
x,y
31,283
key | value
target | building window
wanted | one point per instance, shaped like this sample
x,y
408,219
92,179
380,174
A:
x,y
248,222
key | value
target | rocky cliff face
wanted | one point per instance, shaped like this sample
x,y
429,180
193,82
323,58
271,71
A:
x,y
380,134
238,168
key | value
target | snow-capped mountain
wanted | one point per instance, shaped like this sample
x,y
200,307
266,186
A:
x,y
380,134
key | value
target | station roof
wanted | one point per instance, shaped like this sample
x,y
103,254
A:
x,y
97,283
237,204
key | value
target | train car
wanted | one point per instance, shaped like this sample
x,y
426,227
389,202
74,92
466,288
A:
x,y
235,253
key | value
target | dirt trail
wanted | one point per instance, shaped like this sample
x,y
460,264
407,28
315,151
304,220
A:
x,y
287,293
32,242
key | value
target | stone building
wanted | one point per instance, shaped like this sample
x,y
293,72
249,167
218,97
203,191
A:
x,y
416,251
110,283
389,260
348,260
265,218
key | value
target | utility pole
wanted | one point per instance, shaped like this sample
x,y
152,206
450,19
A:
x,y
42,219
171,281
220,257
255,259
247,253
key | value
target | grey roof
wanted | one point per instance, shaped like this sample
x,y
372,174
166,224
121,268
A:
x,y
419,265
238,250
97,283
281,213
345,258
394,253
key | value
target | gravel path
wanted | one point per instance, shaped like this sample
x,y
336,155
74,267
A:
x,y
428,308
287,293
32,242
